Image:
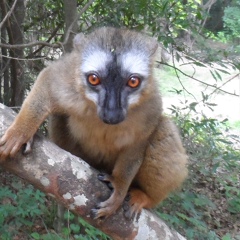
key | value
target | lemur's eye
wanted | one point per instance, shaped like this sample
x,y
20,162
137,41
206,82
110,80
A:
x,y
133,82
93,79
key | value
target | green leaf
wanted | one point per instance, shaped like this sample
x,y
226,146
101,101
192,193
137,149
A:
x,y
218,75
35,235
227,237
213,75
193,105
211,104
223,140
75,228
223,71
199,64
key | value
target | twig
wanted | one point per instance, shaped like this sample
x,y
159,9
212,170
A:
x,y
23,59
175,69
55,45
209,85
48,40
219,88
8,14
31,44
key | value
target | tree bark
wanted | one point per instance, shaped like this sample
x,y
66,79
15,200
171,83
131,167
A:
x,y
14,20
73,183
5,62
70,13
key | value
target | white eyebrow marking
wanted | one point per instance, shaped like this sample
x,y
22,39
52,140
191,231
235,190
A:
x,y
135,62
95,61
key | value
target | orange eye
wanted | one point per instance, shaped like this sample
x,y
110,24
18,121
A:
x,y
94,80
133,82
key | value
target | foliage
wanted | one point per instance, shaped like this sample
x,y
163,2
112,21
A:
x,y
171,22
165,19
231,19
20,206
82,230
214,160
231,31
214,172
76,228
23,210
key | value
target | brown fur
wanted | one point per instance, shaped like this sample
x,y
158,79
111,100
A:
x,y
144,152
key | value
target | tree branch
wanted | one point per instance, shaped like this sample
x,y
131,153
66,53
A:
x,y
8,14
216,88
31,44
73,183
53,34
55,45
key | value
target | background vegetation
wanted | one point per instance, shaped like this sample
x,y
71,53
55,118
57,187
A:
x,y
199,60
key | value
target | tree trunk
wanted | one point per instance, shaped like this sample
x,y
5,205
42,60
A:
x,y
5,62
16,33
70,13
214,22
13,23
74,184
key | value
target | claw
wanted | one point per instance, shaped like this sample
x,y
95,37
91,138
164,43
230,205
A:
x,y
105,209
28,146
98,206
129,214
97,215
127,198
125,206
110,186
94,212
106,178
128,210
101,176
